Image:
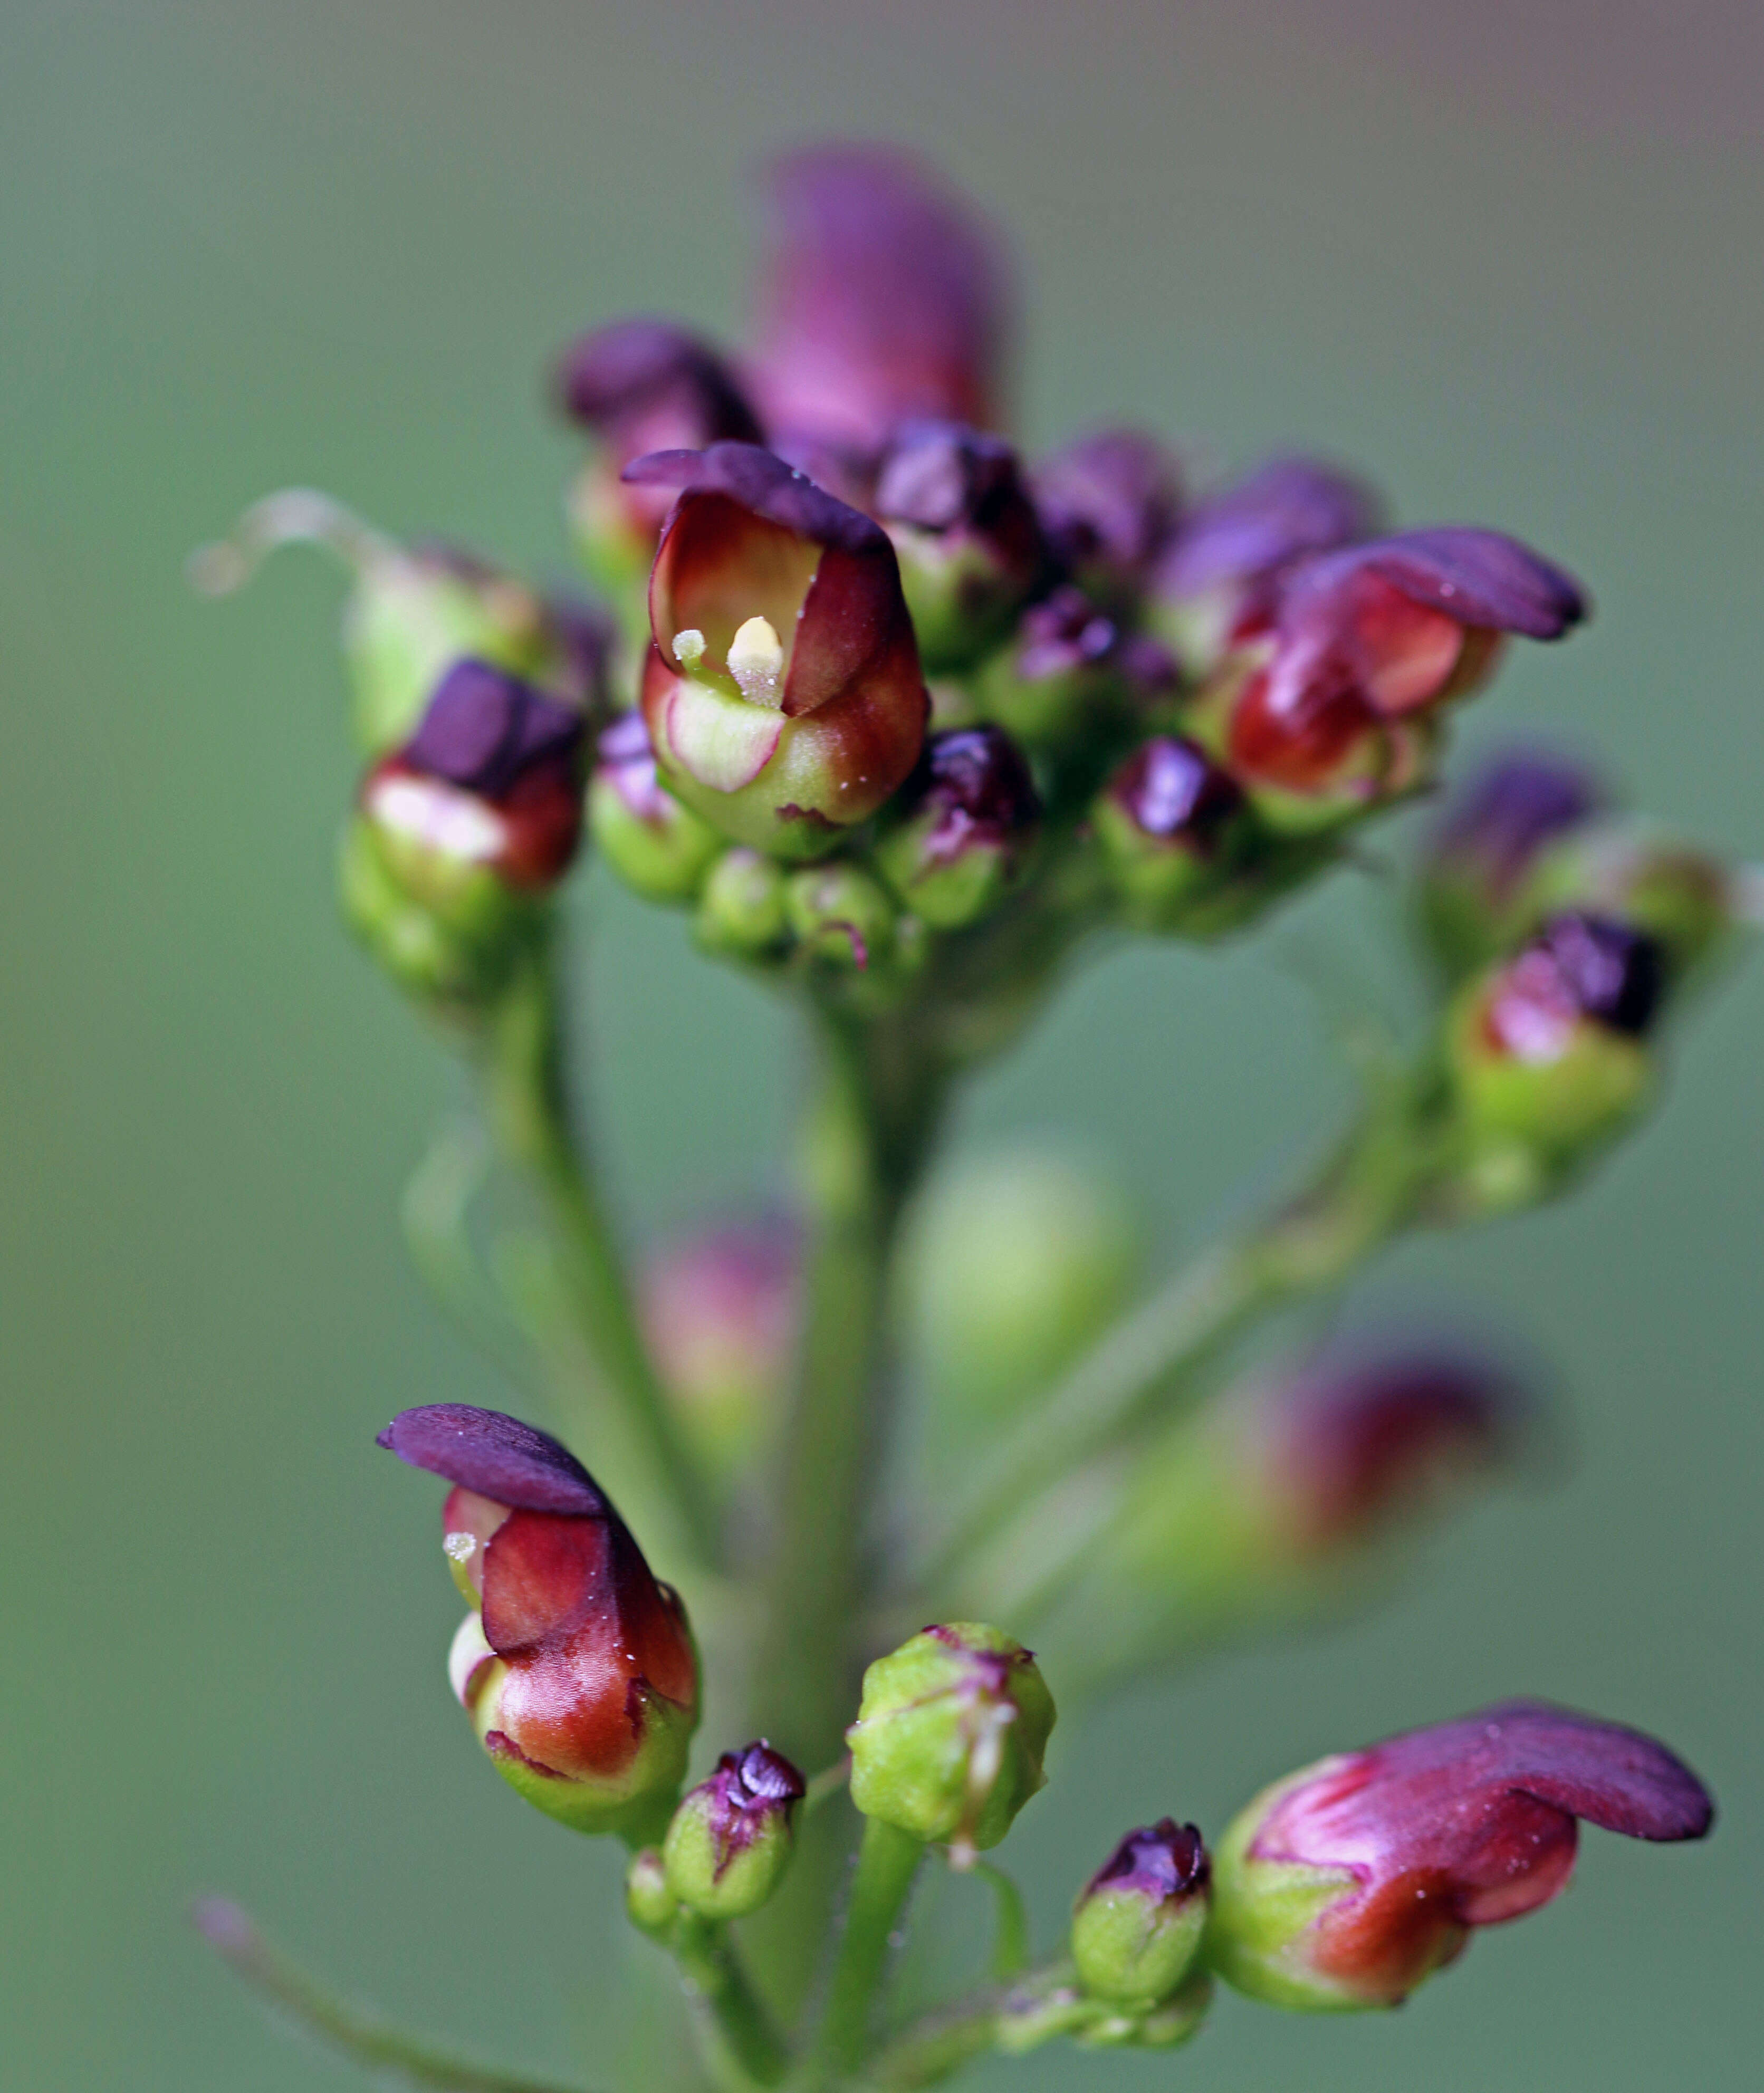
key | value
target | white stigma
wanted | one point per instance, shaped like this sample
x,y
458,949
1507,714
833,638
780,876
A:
x,y
689,647
756,662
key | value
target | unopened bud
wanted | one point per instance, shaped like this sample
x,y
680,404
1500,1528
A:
x,y
1172,824
950,1734
656,845
1136,1928
1063,679
962,827
742,913
730,1842
1686,899
969,544
649,1904
1109,504
843,916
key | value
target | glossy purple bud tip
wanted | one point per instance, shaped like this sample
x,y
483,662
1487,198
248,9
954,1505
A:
x,y
1064,633
1162,1861
976,781
1113,497
757,1777
498,1457
1614,972
484,729
1170,789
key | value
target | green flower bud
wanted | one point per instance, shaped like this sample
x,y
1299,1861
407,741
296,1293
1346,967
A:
x,y
950,1734
1171,824
962,828
1166,2026
1136,1928
657,846
1017,1262
731,1840
741,909
649,1902
841,915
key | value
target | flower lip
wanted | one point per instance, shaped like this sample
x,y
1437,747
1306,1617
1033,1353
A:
x,y
882,298
1475,577
1161,1860
498,1457
484,730
1287,507
758,481
621,376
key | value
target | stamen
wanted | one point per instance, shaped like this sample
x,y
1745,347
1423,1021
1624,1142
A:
x,y
756,662
689,647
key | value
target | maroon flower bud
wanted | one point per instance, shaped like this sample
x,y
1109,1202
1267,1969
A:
x,y
1222,570
782,695
1365,643
969,544
730,1841
720,1309
492,777
1109,504
578,1669
1347,1884
1170,821
1491,836
1136,1928
882,299
968,818
642,385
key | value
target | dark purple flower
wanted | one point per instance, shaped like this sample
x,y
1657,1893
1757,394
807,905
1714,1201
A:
x,y
1109,504
578,1667
492,775
1409,1844
882,298
783,694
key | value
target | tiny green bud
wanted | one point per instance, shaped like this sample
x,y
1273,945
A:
x,y
648,1902
656,845
1136,1928
962,828
741,911
1166,2026
731,1840
841,915
949,1735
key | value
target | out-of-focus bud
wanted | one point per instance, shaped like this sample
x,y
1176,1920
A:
x,y
417,610
462,832
969,544
655,844
730,1842
844,919
742,913
1066,676
638,386
1690,902
1222,570
1347,1884
1336,709
1479,859
1109,505
1136,1928
950,1734
962,828
720,1309
882,299
1016,1263
1172,825
1548,1053
782,694
578,1668
649,1904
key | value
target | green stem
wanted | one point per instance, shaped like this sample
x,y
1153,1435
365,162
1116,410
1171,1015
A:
x,y
1014,2020
528,1107
743,2048
1369,1192
389,2053
1010,1942
887,1863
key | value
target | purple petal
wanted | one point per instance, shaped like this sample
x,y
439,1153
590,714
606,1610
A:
x,y
766,487
1479,578
937,474
1512,807
882,298
639,373
1288,506
499,1458
1115,497
484,728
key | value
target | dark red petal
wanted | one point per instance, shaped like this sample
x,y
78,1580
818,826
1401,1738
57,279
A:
x,y
882,298
498,1457
545,1573
1479,578
855,633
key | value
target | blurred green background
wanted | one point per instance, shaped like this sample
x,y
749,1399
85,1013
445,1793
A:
x,y
1512,265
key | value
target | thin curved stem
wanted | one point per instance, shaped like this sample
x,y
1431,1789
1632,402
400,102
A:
x,y
743,2048
1013,2018
528,1107
887,1862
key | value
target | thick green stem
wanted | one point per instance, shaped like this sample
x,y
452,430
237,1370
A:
x,y
527,1104
1368,1193
743,2048
887,1863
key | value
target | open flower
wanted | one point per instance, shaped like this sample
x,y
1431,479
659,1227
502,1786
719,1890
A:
x,y
782,693
882,298
576,1667
1347,1884
1337,706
